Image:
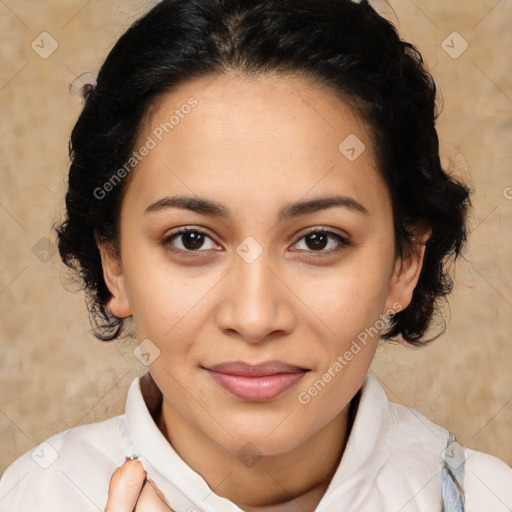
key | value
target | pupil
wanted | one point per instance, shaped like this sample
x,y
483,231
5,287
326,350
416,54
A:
x,y
316,238
192,240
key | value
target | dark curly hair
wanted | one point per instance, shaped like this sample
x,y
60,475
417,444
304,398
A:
x,y
344,45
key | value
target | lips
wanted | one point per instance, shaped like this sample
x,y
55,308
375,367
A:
x,y
248,370
256,383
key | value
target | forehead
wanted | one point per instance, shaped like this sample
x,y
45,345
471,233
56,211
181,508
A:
x,y
236,135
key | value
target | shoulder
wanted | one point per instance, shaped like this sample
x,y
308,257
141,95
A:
x,y
417,456
487,483
399,452
73,466
410,432
487,479
419,429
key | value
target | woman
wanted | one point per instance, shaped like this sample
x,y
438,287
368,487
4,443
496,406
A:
x,y
257,185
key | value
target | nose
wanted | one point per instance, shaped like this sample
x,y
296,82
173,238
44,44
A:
x,y
256,303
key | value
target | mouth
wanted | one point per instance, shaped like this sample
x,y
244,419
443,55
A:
x,y
256,383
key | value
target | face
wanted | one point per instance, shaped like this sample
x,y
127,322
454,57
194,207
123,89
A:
x,y
257,279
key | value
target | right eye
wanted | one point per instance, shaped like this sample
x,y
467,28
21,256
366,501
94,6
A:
x,y
190,240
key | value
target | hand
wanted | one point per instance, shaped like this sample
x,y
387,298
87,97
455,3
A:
x,y
129,491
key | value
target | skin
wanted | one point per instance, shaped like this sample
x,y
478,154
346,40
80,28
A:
x,y
128,491
255,145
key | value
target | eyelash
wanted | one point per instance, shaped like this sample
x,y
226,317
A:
x,y
313,254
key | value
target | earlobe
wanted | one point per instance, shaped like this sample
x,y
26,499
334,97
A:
x,y
407,272
113,275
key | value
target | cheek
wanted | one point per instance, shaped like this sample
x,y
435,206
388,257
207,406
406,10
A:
x,y
350,298
162,300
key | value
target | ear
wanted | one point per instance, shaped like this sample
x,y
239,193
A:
x,y
114,278
407,271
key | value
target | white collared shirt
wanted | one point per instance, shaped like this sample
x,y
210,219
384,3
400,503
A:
x,y
392,463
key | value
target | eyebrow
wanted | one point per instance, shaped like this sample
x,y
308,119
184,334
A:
x,y
213,209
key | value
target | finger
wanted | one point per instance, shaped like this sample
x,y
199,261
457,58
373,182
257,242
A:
x,y
125,486
152,499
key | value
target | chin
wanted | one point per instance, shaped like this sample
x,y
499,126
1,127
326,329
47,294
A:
x,y
260,440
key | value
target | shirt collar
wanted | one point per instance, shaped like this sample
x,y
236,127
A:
x,y
367,449
176,478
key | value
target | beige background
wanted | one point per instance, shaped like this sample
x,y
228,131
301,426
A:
x,y
54,374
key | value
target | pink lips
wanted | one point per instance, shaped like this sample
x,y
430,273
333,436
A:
x,y
256,383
